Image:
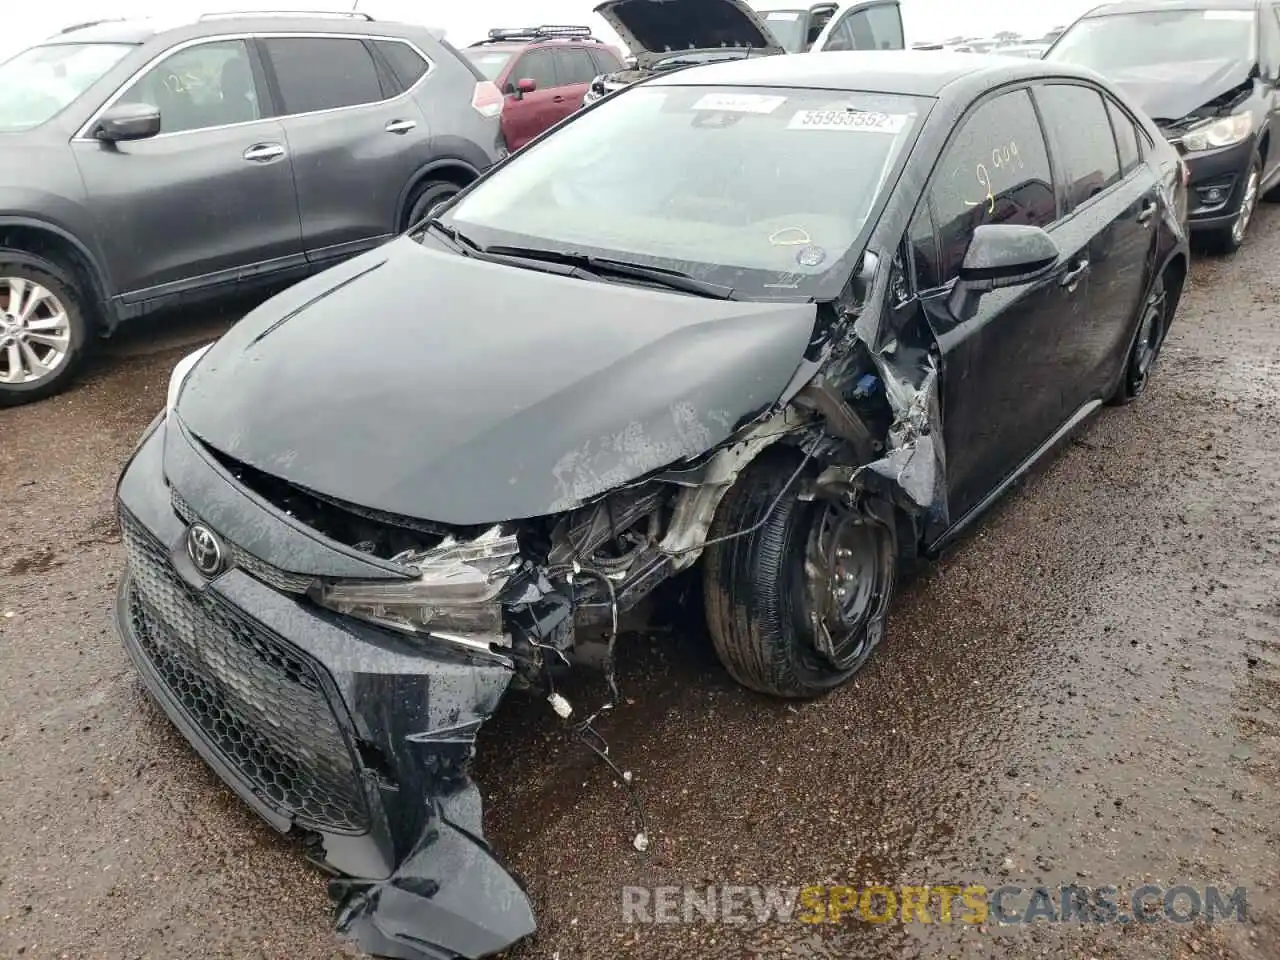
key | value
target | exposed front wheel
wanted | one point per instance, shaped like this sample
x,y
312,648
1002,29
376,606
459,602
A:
x,y
43,330
795,608
429,197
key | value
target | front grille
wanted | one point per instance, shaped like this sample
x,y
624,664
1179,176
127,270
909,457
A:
x,y
260,570
260,702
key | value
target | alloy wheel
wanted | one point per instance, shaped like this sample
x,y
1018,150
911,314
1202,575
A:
x,y
1150,339
35,332
1247,205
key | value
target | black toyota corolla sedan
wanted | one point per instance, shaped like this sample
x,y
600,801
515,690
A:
x,y
785,324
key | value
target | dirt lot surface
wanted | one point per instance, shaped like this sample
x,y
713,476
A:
x,y
1086,691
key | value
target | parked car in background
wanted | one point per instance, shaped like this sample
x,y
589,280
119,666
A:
x,y
659,347
676,34
542,71
141,167
844,25
1208,72
1033,50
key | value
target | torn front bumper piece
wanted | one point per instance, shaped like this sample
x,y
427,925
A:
x,y
330,729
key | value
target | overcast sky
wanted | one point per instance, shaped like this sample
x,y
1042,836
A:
x,y
30,22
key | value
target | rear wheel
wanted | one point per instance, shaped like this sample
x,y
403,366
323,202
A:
x,y
428,197
44,333
795,608
1152,329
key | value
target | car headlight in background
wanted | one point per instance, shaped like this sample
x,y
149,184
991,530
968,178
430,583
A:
x,y
455,592
1219,133
179,377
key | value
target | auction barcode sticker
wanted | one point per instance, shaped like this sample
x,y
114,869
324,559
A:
x,y
739,102
865,120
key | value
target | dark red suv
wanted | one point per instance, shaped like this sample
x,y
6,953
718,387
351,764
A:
x,y
542,71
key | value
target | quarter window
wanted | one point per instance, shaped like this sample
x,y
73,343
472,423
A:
x,y
922,245
323,73
405,62
538,66
576,66
209,85
995,170
1077,120
1126,138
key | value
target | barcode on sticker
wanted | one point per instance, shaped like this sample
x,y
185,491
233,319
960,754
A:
x,y
739,102
867,120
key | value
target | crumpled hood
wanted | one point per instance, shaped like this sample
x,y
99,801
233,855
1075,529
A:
x,y
426,384
1167,92
653,29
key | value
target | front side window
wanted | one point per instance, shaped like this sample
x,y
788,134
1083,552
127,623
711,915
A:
x,y
208,85
576,66
995,170
538,66
39,83
1078,119
1143,47
606,61
323,73
761,190
875,28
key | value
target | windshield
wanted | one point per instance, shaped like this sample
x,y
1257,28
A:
x,y
489,62
1118,43
39,83
789,27
761,190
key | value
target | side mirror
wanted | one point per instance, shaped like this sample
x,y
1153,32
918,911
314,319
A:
x,y
128,121
1001,255
527,85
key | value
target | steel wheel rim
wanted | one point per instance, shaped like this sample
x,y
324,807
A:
x,y
35,332
1246,207
846,571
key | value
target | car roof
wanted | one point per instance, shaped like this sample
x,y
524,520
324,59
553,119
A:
x,y
143,29
921,73
1156,6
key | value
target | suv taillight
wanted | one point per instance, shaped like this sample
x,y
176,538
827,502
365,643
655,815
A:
x,y
487,99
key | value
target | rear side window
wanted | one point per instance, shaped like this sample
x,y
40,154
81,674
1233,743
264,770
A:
x,y
405,62
1126,138
995,170
538,66
1077,120
323,73
606,61
576,66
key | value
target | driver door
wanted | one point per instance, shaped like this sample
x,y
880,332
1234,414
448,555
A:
x,y
208,201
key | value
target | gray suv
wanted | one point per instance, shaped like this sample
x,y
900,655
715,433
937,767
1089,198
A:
x,y
143,167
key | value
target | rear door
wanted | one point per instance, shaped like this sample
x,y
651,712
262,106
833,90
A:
x,y
866,26
208,201
1112,213
1001,368
527,114
355,136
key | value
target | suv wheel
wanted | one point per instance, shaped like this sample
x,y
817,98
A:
x,y
428,196
795,608
43,329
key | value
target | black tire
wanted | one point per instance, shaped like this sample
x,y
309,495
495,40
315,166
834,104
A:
x,y
758,596
426,197
1153,327
61,283
1225,241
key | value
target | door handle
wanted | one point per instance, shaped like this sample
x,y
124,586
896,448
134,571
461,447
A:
x,y
1071,279
400,126
264,152
557,99
1147,212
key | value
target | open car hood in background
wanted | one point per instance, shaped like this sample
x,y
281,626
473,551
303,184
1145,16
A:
x,y
654,29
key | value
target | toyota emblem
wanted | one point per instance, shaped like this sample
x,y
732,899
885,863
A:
x,y
205,550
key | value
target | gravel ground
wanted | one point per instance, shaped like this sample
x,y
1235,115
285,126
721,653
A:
x,y
1087,690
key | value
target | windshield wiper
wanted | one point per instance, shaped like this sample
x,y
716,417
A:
x,y
460,241
595,267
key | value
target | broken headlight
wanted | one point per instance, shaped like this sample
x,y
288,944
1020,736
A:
x,y
1219,133
454,593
